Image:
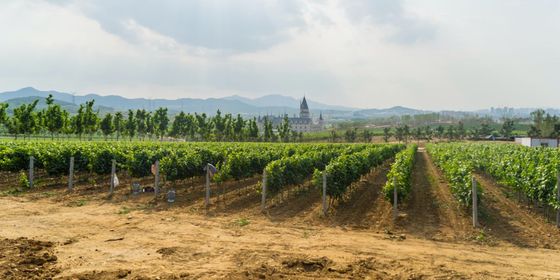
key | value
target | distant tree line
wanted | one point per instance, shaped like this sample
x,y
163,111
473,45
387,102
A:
x,y
139,124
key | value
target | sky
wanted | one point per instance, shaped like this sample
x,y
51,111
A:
x,y
425,54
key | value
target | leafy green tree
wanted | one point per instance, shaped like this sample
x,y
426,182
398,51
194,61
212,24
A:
x,y
238,127
90,119
161,122
333,136
203,125
24,121
219,125
141,123
507,128
118,124
253,130
387,134
418,134
284,129
130,125
367,136
485,129
3,113
440,131
178,126
406,133
268,132
461,132
428,133
450,133
107,126
53,117
77,122
350,135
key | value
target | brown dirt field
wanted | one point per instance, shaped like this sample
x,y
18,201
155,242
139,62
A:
x,y
87,235
506,220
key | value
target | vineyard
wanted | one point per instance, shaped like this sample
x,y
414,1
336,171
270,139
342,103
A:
x,y
229,199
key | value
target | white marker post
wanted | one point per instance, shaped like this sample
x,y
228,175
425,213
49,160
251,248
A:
x,y
71,174
113,173
395,209
474,203
156,181
558,198
207,200
263,198
325,208
31,161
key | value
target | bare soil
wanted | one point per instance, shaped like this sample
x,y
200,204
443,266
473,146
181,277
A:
x,y
86,234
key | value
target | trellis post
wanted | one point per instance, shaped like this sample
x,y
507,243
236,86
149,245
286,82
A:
x,y
263,198
113,173
31,162
207,199
395,209
71,174
156,183
558,199
325,208
474,203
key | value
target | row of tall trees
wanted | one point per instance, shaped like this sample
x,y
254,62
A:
x,y
544,125
139,124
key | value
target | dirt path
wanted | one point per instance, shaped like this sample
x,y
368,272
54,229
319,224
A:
x,y
96,241
431,211
508,221
365,207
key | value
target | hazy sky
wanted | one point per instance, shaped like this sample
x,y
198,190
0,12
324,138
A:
x,y
365,53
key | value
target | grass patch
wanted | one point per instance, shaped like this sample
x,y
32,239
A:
x,y
242,222
124,210
78,203
11,192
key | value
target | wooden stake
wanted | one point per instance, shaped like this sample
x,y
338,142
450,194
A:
x,y
71,174
263,198
325,208
113,172
474,203
31,162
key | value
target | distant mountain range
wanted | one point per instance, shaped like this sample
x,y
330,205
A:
x,y
265,105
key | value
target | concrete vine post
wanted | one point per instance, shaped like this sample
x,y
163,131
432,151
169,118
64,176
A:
x,y
156,183
395,209
558,199
71,174
474,203
263,198
325,206
113,174
207,199
31,163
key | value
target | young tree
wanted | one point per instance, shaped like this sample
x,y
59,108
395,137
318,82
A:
x,y
428,133
161,122
53,117
450,133
3,112
253,130
107,126
461,132
507,128
284,129
24,120
268,132
350,135
219,125
77,122
118,124
440,132
130,125
178,126
406,133
141,123
387,134
90,119
367,136
238,128
333,136
418,134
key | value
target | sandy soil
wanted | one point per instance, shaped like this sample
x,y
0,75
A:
x,y
87,235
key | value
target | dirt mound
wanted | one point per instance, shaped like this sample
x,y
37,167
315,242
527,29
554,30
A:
x,y
122,274
24,258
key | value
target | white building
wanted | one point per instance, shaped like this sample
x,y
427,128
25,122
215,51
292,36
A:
x,y
537,142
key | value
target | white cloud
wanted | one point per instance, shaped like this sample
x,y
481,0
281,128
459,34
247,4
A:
x,y
426,54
